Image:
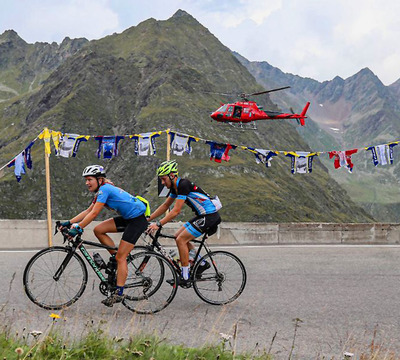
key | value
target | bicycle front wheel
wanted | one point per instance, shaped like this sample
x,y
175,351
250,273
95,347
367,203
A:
x,y
41,286
151,283
223,281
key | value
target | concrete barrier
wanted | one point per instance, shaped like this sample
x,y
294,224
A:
x,y
32,234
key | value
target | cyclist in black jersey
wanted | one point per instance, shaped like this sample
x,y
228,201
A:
x,y
184,191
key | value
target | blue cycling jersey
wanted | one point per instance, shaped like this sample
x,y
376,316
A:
x,y
194,196
117,199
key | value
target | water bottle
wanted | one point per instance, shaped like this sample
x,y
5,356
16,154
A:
x,y
99,261
174,255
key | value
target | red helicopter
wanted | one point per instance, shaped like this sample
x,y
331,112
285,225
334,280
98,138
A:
x,y
246,111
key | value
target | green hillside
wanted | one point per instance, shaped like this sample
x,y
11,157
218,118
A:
x,y
159,75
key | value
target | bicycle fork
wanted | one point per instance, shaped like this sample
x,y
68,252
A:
x,y
63,265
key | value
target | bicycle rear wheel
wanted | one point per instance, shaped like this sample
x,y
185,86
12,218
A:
x,y
223,281
147,290
43,289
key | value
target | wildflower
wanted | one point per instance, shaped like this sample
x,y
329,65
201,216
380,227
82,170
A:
x,y
225,337
19,351
348,355
35,333
55,316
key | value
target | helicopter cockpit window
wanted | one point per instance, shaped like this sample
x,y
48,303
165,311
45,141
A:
x,y
222,109
230,111
238,112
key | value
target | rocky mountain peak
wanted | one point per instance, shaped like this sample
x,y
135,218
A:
x,y
11,36
181,13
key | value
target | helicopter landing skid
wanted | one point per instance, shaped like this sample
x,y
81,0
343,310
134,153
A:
x,y
241,126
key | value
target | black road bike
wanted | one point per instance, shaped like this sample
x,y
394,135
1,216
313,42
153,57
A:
x,y
56,277
220,282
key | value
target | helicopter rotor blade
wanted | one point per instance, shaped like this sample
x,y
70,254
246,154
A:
x,y
268,91
217,93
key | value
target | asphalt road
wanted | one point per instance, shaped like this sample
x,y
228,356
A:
x,y
342,294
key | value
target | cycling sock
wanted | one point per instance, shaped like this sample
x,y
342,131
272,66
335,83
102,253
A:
x,y
185,272
119,290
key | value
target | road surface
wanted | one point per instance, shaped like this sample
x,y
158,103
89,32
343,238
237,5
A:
x,y
341,294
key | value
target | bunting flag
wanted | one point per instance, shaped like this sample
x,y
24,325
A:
x,y
145,143
108,146
19,162
263,156
382,154
46,136
219,152
180,143
69,144
301,161
343,158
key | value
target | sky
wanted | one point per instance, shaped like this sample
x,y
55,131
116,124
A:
x,y
319,39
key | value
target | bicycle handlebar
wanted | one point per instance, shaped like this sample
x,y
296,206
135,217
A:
x,y
64,231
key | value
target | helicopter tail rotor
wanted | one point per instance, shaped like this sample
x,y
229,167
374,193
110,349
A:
x,y
300,119
303,114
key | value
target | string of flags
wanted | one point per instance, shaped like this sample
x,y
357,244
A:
x,y
67,145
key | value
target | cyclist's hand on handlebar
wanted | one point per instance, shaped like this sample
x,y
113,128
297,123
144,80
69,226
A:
x,y
75,230
65,224
152,228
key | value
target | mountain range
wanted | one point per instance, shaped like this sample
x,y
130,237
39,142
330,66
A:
x,y
153,76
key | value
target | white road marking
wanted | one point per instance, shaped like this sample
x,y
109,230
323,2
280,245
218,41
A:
x,y
252,247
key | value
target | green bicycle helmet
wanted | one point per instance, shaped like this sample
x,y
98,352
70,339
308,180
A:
x,y
167,167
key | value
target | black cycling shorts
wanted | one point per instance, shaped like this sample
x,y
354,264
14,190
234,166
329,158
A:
x,y
203,224
132,228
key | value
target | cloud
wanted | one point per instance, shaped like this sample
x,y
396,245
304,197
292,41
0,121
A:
x,y
319,39
49,21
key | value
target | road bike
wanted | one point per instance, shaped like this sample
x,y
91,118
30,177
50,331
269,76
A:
x,y
220,282
56,277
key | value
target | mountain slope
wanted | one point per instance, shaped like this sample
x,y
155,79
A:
x,y
24,66
357,112
159,75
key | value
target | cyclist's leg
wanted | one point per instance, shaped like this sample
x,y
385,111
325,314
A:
x,y
134,229
190,245
183,241
124,249
101,230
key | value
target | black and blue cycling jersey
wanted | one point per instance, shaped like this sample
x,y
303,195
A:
x,y
197,199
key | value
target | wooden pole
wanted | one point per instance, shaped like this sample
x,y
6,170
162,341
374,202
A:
x,y
168,150
48,193
168,145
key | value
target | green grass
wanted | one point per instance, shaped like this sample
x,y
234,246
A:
x,y
97,345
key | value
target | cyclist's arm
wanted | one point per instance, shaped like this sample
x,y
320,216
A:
x,y
82,215
174,212
97,207
161,209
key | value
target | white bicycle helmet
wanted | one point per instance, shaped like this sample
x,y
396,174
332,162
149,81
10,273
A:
x,y
94,170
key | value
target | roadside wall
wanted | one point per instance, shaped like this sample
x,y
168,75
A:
x,y
32,234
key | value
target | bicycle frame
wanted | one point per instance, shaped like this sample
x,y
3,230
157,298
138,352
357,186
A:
x,y
78,243
156,245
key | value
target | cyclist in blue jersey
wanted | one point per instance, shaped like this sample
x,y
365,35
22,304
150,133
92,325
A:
x,y
184,191
131,221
